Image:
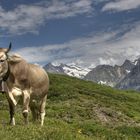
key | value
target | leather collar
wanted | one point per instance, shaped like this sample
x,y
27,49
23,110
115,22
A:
x,y
6,75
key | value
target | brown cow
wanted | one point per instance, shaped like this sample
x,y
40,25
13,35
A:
x,y
29,81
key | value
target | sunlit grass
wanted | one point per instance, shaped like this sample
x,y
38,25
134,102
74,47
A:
x,y
78,110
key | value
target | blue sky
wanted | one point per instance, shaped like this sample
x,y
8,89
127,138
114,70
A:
x,y
85,32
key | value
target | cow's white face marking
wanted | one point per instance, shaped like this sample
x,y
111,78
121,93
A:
x,y
3,56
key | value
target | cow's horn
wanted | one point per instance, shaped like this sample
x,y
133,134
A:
x,y
9,48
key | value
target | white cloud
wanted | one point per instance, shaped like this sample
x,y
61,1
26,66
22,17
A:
x,y
103,61
122,5
27,18
104,48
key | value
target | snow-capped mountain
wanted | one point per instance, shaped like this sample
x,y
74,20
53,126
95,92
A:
x,y
52,68
110,75
69,69
132,80
106,74
75,71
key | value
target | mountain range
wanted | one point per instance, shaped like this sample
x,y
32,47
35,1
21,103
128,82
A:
x,y
125,76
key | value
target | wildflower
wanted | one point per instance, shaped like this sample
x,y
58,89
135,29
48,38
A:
x,y
80,131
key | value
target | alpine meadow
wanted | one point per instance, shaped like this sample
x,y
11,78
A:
x,y
71,71
80,110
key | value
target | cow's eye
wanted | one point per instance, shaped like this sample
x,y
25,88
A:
x,y
1,61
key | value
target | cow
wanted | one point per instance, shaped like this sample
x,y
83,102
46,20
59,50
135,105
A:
x,y
25,80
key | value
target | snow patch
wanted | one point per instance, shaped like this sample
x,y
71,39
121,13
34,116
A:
x,y
106,83
128,71
136,62
55,64
102,82
75,71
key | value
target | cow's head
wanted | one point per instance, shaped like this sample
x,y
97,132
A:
x,y
3,61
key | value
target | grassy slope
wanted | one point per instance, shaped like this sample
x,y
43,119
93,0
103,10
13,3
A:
x,y
79,110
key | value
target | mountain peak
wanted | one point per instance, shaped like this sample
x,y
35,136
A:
x,y
132,80
106,74
127,62
128,65
137,61
67,69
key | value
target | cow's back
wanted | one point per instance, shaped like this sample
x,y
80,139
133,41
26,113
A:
x,y
38,79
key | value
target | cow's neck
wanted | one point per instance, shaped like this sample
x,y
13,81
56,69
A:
x,y
7,74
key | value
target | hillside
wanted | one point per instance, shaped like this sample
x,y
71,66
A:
x,y
79,110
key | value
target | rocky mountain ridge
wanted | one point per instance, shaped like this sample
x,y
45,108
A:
x,y
125,76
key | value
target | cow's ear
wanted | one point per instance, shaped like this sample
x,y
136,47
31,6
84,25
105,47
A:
x,y
9,48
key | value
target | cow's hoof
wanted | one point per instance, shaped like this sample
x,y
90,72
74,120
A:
x,y
12,123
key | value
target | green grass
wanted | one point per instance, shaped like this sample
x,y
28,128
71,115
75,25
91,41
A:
x,y
78,110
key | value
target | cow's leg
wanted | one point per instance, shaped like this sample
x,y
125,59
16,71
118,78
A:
x,y
34,109
12,102
42,109
14,93
26,101
12,112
